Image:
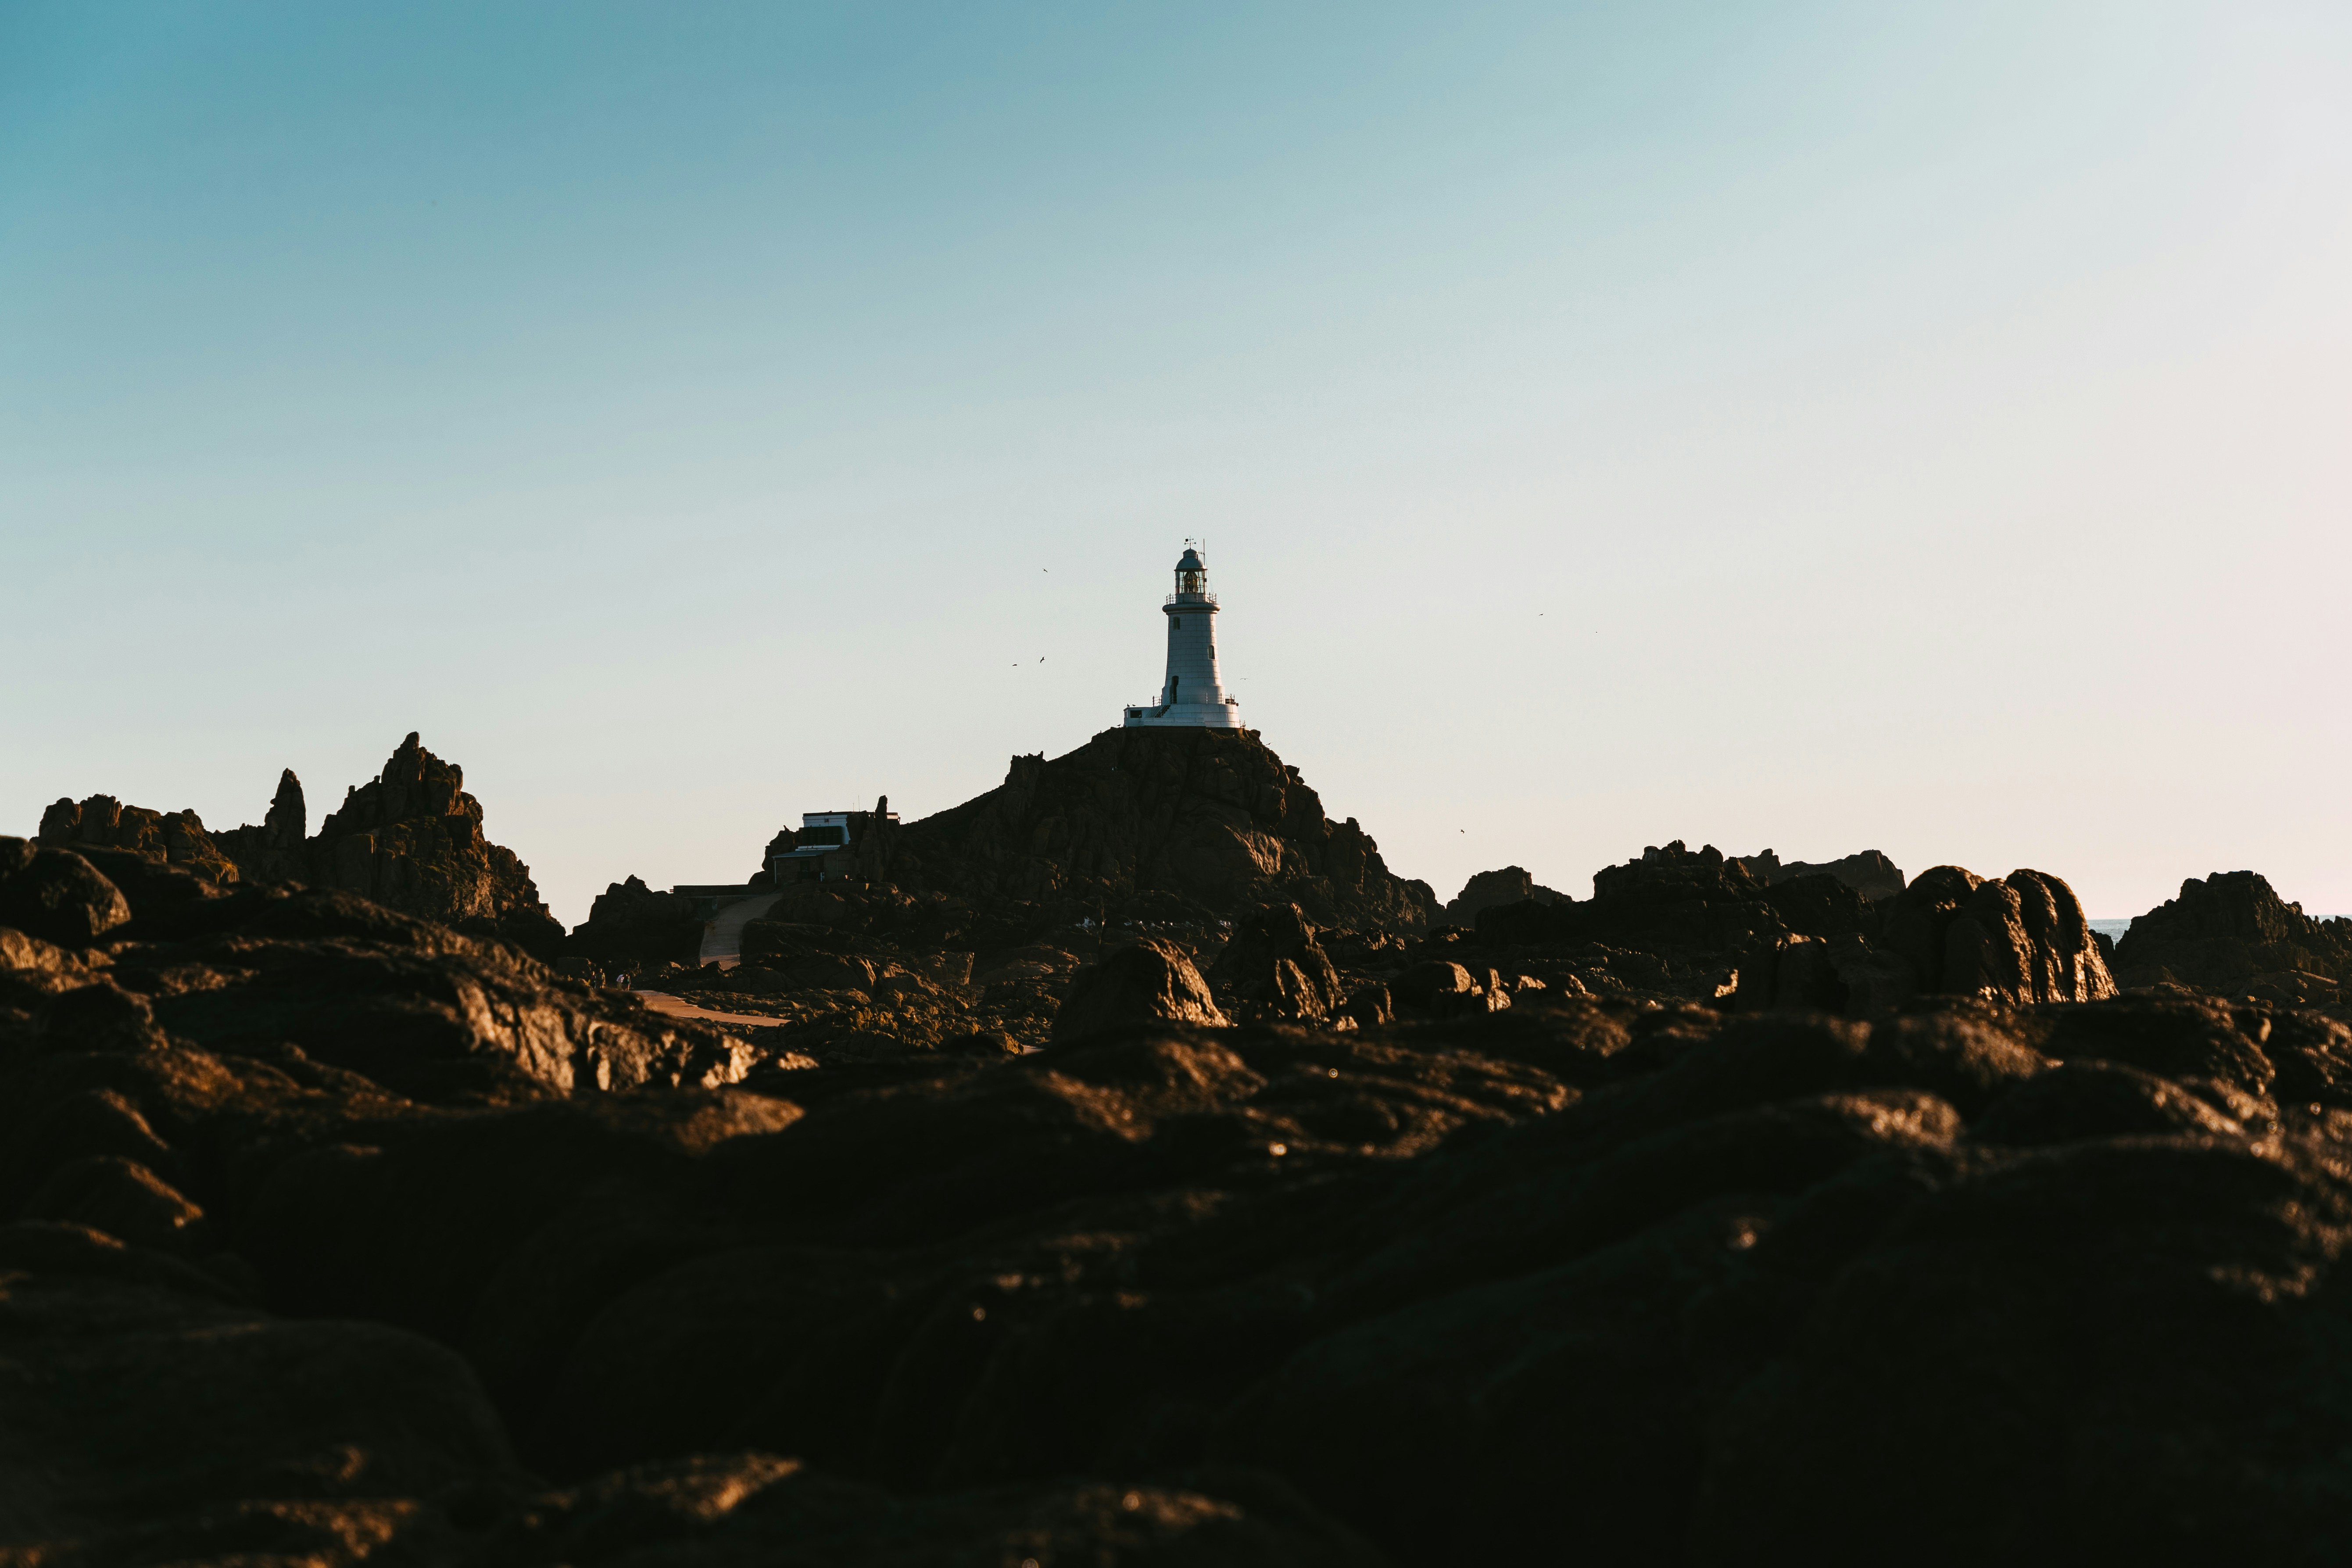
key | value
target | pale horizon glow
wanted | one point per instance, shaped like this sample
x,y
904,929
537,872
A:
x,y
1917,428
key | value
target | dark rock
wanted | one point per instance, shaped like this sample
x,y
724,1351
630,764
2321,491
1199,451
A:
x,y
2227,932
122,1198
631,923
1150,982
274,852
983,1043
756,1508
2094,1098
1371,1007
100,1017
1488,889
411,839
1441,988
1210,816
159,892
2023,938
1918,922
1868,872
173,1425
59,897
1273,968
1678,923
416,1007
175,838
1991,1277
1420,986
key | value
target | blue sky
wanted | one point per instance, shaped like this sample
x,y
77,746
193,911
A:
x,y
1815,425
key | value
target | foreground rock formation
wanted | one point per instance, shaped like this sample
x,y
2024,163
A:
x,y
339,1236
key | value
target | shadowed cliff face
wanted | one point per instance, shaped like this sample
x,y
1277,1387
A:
x,y
1210,817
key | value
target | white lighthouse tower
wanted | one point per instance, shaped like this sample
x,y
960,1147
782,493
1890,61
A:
x,y
1194,696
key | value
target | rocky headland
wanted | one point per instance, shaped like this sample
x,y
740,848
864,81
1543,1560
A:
x,y
1137,1171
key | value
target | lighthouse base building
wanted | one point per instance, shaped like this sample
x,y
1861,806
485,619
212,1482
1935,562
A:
x,y
1193,695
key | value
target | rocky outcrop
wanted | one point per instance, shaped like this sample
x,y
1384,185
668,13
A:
x,y
630,924
1868,872
273,851
175,838
1701,926
1149,982
1688,906
411,839
2020,938
1209,816
1511,885
2231,933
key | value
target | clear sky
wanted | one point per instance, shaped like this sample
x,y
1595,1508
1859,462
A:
x,y
1816,425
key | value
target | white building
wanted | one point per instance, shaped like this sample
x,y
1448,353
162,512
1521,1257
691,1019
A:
x,y
1194,696
822,849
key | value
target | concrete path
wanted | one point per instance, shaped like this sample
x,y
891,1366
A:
x,y
678,1007
722,939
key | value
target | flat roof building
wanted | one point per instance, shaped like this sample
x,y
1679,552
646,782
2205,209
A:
x,y
821,849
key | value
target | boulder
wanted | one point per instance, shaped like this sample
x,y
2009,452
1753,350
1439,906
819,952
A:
x,y
1274,968
1149,982
1918,920
1445,989
174,1423
2023,938
157,890
57,895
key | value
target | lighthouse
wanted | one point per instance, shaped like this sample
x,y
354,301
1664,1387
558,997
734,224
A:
x,y
1193,694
